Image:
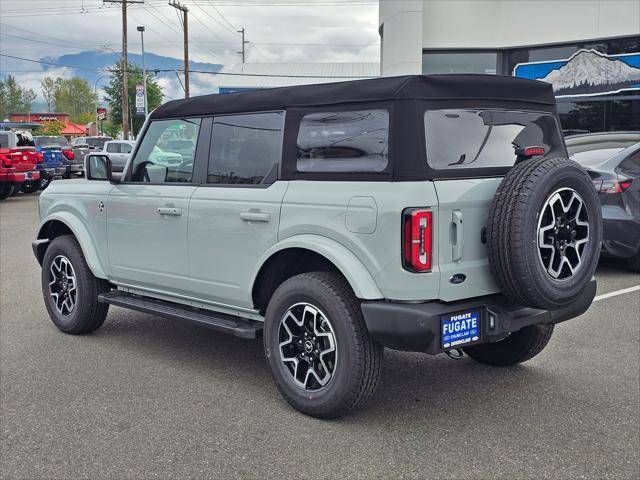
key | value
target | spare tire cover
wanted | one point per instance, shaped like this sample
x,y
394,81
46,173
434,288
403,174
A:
x,y
544,232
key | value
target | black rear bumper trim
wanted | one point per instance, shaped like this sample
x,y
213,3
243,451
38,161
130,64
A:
x,y
415,327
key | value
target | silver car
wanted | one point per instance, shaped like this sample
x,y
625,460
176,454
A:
x,y
118,152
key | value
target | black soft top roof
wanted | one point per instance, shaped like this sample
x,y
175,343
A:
x,y
412,87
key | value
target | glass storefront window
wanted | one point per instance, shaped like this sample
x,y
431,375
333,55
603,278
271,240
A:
x,y
459,62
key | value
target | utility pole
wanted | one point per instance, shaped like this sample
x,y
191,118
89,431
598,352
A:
x,y
125,66
244,42
185,29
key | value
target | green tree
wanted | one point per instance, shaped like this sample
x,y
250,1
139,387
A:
x,y
113,95
53,128
111,129
85,118
73,96
14,98
48,85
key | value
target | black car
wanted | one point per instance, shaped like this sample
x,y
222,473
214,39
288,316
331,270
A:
x,y
615,170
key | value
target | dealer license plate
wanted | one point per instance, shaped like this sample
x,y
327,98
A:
x,y
460,329
28,175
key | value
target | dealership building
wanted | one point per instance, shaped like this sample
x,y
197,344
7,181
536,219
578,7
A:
x,y
588,50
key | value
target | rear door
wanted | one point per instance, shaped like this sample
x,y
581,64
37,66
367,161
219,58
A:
x,y
235,212
465,144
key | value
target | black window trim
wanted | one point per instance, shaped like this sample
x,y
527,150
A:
x,y
204,173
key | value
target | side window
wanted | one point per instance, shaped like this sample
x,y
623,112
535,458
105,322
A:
x,y
160,158
112,148
125,148
246,149
356,141
631,164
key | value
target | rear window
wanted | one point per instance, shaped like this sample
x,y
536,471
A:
x,y
473,138
355,141
4,140
44,141
97,142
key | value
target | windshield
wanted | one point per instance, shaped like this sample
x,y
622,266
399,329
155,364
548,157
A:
x,y
44,141
594,157
464,138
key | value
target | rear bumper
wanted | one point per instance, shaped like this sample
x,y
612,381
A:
x,y
13,177
415,327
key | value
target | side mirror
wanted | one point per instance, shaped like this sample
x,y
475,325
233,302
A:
x,y
97,167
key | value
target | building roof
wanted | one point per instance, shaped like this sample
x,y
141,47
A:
x,y
504,89
269,75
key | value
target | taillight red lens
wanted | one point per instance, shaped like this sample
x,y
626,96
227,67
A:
x,y
611,186
6,161
417,239
531,151
69,154
39,158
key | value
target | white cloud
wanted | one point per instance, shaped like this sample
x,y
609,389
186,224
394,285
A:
x,y
347,33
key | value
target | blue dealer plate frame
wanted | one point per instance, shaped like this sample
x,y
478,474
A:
x,y
460,329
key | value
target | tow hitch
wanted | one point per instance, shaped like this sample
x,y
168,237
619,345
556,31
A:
x,y
455,353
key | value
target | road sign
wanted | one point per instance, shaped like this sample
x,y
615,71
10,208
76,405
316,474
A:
x,y
101,113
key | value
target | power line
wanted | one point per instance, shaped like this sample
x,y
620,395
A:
x,y
89,69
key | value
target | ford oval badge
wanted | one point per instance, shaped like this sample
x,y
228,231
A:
x,y
458,278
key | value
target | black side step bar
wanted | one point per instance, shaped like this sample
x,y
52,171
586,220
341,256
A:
x,y
240,327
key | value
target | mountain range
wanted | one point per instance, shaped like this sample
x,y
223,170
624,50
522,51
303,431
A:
x,y
588,69
100,59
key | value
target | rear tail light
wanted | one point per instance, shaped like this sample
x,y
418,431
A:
x,y
39,158
6,161
529,151
69,154
612,186
417,239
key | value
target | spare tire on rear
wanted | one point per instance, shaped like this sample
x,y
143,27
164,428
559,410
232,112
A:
x,y
544,232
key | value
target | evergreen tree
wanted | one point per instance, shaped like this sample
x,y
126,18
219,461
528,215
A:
x,y
113,96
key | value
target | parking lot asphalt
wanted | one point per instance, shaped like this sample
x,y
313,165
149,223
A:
x,y
145,397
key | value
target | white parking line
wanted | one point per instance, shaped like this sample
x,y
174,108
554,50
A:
x,y
616,293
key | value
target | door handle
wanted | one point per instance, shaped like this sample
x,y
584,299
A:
x,y
255,217
458,235
174,211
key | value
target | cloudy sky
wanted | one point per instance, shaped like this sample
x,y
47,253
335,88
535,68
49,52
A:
x,y
291,31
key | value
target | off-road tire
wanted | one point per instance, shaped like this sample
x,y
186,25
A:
x,y
30,186
6,190
358,369
88,314
518,347
513,228
634,262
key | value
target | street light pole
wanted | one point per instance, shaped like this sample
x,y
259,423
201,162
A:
x,y
144,72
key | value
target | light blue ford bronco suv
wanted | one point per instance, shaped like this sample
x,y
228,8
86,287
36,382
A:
x,y
435,214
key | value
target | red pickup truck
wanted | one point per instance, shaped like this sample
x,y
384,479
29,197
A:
x,y
17,165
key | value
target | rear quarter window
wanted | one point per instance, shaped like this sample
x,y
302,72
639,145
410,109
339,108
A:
x,y
480,138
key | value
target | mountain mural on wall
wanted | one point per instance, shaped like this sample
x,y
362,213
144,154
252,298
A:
x,y
587,72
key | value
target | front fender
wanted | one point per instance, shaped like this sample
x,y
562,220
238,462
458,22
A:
x,y
82,234
345,261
